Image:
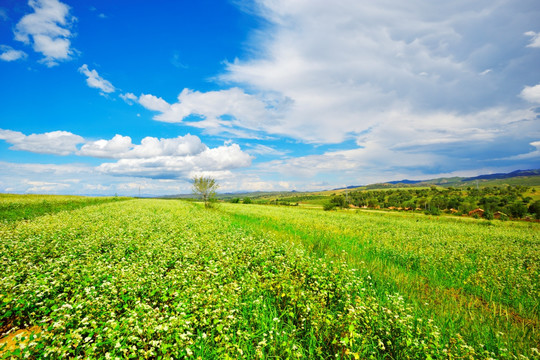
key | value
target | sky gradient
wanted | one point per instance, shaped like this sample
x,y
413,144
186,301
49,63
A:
x,y
117,97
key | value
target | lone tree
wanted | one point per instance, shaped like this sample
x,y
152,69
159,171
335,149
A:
x,y
205,188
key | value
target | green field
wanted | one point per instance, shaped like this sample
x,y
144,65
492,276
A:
x,y
17,207
171,279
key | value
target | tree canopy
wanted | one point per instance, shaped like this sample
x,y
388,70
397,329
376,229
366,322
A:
x,y
205,188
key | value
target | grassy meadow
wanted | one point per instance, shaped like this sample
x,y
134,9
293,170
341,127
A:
x,y
164,279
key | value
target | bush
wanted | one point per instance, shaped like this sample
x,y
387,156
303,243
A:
x,y
488,215
517,209
534,208
339,201
235,200
328,206
433,211
247,200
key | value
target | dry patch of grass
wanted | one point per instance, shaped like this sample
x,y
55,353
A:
x,y
20,337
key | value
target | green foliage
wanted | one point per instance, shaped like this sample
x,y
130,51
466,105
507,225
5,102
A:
x,y
329,206
510,199
235,200
432,210
455,270
166,279
534,208
247,200
516,209
205,188
339,201
26,207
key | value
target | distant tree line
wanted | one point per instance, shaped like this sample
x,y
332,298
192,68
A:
x,y
503,201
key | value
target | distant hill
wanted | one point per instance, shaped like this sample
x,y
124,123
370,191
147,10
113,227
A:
x,y
408,182
518,177
516,173
348,187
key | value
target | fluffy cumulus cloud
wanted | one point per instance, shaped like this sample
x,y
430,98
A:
x,y
216,162
167,158
121,147
10,54
47,29
154,103
531,93
218,111
55,142
95,81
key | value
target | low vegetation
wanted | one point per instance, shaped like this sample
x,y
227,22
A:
x,y
171,279
489,202
17,207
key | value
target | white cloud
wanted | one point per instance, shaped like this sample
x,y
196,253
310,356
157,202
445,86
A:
x,y
45,187
98,187
405,143
129,98
60,179
55,142
154,103
531,93
47,29
95,81
217,161
328,72
219,111
261,149
117,147
121,147
339,68
177,158
535,39
10,54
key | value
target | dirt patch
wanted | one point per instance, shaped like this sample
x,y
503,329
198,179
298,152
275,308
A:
x,y
12,341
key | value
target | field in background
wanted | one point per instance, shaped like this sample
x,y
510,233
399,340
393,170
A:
x,y
162,279
24,207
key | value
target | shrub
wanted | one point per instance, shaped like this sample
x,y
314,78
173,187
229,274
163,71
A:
x,y
534,208
328,206
433,211
517,209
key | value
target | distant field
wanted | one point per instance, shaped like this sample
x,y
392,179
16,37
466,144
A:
x,y
23,207
171,279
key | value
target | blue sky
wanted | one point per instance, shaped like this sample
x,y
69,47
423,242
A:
x,y
105,97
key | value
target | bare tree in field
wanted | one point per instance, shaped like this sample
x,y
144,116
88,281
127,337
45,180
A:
x,y
205,188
